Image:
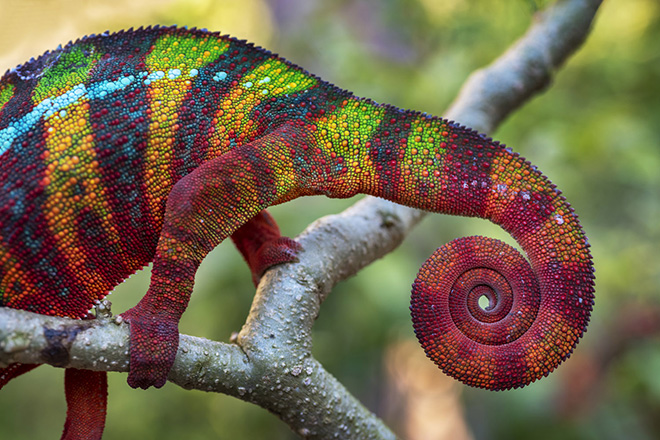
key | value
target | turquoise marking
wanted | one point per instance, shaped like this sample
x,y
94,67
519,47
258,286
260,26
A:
x,y
220,76
103,89
50,106
173,73
155,76
57,105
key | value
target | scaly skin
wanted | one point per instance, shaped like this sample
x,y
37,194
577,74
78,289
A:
x,y
157,144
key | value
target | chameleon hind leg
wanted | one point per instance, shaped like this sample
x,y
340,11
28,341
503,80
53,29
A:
x,y
203,208
262,246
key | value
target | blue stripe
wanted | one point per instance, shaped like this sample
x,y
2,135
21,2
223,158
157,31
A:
x,y
50,106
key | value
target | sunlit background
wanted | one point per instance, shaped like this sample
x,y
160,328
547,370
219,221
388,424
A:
x,y
595,133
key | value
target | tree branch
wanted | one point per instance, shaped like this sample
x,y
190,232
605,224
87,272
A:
x,y
271,363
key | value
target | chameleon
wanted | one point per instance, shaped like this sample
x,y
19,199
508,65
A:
x,y
156,144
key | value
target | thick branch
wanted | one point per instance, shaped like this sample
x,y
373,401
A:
x,y
271,364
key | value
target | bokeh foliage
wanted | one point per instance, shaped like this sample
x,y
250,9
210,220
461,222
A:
x,y
595,133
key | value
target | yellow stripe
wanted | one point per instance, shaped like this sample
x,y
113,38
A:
x,y
271,78
184,51
73,183
165,99
6,93
347,133
175,58
423,159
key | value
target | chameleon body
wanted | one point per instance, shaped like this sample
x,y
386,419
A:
x,y
159,143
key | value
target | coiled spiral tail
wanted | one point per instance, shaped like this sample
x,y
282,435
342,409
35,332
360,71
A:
x,y
494,347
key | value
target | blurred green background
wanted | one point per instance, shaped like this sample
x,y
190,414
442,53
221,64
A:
x,y
595,133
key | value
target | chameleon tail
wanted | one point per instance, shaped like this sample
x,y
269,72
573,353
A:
x,y
536,311
86,398
538,308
